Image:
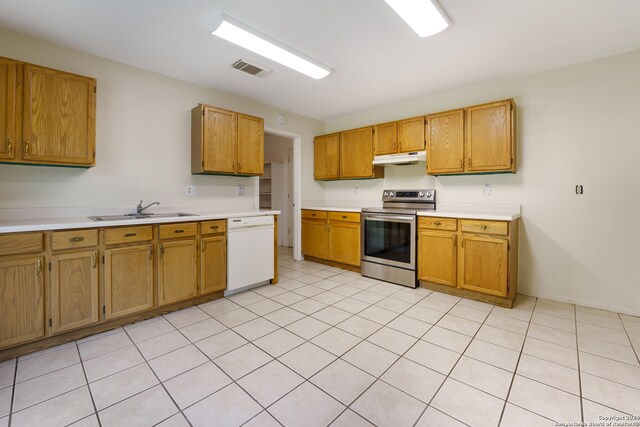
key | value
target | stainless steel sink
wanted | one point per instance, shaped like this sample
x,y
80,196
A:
x,y
139,216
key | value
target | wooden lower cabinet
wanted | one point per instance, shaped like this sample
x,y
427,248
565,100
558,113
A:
x,y
314,238
213,264
332,236
471,258
74,291
21,300
128,280
437,261
344,242
177,271
484,264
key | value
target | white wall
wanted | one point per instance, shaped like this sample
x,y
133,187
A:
x,y
576,125
143,140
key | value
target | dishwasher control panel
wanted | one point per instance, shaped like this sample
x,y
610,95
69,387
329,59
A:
x,y
250,221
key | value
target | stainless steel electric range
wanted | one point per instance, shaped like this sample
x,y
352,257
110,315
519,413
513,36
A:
x,y
389,236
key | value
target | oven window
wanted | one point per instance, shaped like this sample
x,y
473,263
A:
x,y
388,240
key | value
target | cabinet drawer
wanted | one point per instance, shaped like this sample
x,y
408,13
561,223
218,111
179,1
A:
x,y
344,216
172,231
21,243
314,214
115,236
210,227
73,239
485,227
434,223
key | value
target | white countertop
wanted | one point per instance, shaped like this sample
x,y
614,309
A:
x,y
40,224
333,208
471,211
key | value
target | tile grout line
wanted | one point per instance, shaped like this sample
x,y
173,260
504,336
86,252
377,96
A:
x,y
93,402
515,369
629,338
575,313
13,392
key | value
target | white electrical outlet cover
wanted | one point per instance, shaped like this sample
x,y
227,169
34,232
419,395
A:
x,y
487,189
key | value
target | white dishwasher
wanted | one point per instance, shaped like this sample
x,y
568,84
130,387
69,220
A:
x,y
249,252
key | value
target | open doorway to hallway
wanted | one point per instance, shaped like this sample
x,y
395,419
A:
x,y
276,186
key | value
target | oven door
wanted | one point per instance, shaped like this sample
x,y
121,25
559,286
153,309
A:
x,y
389,239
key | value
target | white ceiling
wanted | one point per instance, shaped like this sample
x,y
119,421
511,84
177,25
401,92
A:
x,y
377,59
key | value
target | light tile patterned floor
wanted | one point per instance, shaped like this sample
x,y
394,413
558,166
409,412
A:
x,y
329,347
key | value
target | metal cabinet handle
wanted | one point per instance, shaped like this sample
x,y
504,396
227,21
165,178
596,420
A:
x,y
93,260
150,251
204,244
38,268
313,214
76,239
161,251
178,231
344,217
26,148
437,223
129,234
484,227
214,227
10,146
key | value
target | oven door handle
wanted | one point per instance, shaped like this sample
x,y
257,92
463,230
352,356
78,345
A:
x,y
408,218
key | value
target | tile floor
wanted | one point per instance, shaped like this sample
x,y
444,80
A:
x,y
329,347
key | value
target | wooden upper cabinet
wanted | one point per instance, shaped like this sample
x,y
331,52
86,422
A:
x,y
59,117
8,83
21,300
490,141
250,145
411,135
326,150
385,139
356,153
445,142
226,142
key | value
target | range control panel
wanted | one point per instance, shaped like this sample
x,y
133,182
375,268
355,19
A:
x,y
426,195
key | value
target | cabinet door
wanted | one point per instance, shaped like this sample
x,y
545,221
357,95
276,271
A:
x,y
7,108
74,291
356,153
437,260
411,135
385,140
484,264
445,142
213,264
219,141
21,300
250,145
177,271
325,156
314,239
489,137
344,242
128,278
59,117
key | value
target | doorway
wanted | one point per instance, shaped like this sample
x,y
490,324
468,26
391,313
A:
x,y
279,189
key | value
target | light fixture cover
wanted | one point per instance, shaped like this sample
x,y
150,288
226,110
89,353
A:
x,y
251,39
425,17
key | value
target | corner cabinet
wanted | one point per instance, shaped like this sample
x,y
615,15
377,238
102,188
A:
x,y
479,139
471,258
226,142
47,116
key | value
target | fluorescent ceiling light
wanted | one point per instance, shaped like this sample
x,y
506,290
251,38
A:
x,y
425,17
249,38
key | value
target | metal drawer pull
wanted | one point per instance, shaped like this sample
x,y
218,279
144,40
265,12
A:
x,y
344,217
313,214
214,227
179,231
484,227
437,223
129,234
76,239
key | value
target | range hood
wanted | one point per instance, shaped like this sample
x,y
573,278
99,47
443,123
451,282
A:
x,y
401,159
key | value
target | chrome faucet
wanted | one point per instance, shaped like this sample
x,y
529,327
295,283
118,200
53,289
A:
x,y
140,208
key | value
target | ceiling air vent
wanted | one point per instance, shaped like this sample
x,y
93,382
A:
x,y
249,68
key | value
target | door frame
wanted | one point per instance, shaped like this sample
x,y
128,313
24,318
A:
x,y
297,192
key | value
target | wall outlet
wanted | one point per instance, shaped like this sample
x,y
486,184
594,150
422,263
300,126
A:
x,y
240,190
487,189
356,191
191,190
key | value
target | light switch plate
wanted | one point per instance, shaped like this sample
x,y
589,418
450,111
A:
x,y
240,190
